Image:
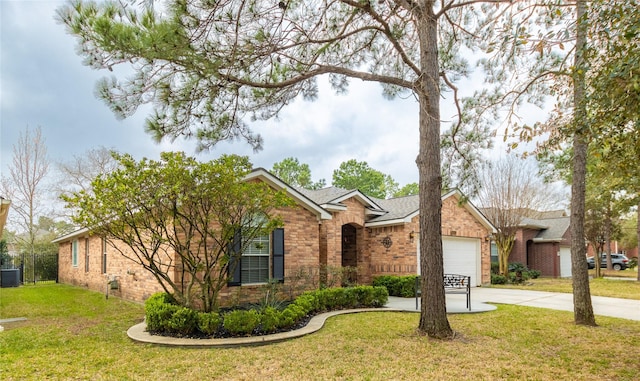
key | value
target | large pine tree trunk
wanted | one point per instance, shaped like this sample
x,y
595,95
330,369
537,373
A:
x,y
638,233
433,317
582,308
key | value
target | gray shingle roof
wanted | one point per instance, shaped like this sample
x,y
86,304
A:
x,y
556,228
324,195
397,208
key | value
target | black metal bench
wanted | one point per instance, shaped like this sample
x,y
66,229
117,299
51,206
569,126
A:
x,y
453,284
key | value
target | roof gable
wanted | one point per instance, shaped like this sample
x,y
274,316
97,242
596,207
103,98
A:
x,y
331,198
299,197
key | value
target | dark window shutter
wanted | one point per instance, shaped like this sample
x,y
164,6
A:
x,y
278,255
235,263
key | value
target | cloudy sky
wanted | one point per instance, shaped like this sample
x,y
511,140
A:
x,y
43,83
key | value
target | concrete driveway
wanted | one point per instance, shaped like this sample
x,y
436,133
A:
x,y
480,296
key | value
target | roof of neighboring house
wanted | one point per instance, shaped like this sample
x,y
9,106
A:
x,y
552,226
555,229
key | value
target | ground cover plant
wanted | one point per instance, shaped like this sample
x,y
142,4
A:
x,y
71,333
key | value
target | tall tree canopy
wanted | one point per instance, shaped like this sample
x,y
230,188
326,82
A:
x,y
208,67
296,174
353,174
204,213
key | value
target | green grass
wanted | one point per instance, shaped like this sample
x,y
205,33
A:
x,y
72,333
616,288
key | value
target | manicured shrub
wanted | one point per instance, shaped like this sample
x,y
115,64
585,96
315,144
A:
x,y
164,316
270,319
209,322
402,286
183,321
498,279
633,263
241,322
307,302
379,297
158,311
534,274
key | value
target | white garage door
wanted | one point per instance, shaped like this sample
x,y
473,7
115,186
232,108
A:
x,y
565,262
462,256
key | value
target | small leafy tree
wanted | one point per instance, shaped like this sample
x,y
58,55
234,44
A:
x,y
179,219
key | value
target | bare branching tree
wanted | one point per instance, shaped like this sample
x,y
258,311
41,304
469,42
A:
x,y
511,191
26,186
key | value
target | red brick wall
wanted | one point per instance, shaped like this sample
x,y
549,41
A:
x,y
136,284
133,282
519,251
544,257
301,263
401,257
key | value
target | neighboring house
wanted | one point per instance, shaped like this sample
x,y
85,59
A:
x,y
327,229
544,244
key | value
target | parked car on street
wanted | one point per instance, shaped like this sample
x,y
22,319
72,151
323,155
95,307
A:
x,y
618,261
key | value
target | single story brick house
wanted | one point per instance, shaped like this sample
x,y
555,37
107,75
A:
x,y
327,228
544,244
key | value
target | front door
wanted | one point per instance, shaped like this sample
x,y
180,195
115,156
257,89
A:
x,y
349,253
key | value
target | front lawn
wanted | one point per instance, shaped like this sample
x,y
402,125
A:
x,y
72,333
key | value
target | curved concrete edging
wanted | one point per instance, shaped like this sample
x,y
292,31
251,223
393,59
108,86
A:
x,y
138,333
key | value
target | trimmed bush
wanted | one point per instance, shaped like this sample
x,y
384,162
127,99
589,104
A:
x,y
270,319
402,286
163,316
241,322
209,322
184,321
534,274
158,311
498,279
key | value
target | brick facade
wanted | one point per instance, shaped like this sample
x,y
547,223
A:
x,y
136,284
314,243
539,254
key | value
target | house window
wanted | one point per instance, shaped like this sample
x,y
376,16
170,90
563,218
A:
x,y
262,260
86,255
104,255
254,263
74,253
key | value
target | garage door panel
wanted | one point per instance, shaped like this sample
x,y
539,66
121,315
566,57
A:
x,y
565,262
462,256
